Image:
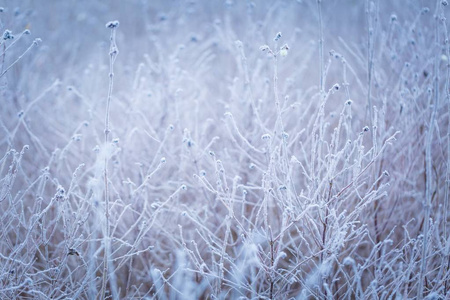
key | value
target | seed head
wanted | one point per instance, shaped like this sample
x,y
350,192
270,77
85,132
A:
x,y
112,24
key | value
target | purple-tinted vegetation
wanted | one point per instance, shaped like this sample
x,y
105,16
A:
x,y
224,149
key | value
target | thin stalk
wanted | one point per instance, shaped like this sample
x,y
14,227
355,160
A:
x,y
35,43
447,177
369,61
446,258
428,166
272,260
322,83
113,51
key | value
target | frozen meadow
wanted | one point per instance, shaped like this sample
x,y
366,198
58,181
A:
x,y
209,149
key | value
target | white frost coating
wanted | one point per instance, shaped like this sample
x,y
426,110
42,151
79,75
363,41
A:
x,y
219,168
348,261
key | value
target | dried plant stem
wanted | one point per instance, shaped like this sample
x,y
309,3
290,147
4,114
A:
x,y
112,56
428,166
